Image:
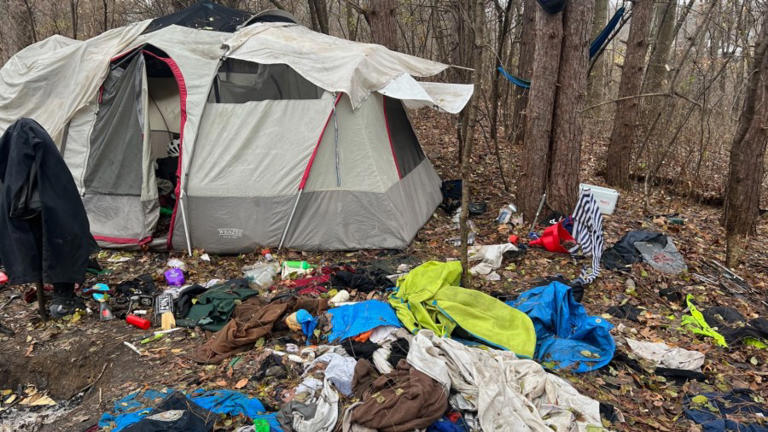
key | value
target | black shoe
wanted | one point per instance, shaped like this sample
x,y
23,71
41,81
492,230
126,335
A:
x,y
63,306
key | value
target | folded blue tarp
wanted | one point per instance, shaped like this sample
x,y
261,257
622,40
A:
x,y
566,337
135,406
351,320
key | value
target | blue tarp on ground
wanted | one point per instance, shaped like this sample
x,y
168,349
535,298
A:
x,y
351,320
135,406
566,337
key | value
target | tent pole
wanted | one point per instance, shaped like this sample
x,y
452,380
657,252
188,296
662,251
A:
x,y
290,219
186,226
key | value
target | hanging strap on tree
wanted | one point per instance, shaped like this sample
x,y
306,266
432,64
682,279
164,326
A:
x,y
597,45
514,80
595,48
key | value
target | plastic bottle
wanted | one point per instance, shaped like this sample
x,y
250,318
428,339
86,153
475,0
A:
x,y
505,214
139,322
297,265
267,255
291,267
261,274
105,313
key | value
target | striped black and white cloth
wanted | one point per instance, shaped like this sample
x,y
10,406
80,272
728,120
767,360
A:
x,y
588,233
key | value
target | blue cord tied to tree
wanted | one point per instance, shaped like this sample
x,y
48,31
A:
x,y
594,48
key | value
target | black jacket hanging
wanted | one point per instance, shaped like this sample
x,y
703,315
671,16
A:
x,y
44,230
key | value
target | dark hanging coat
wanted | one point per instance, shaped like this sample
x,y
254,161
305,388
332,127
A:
x,y
44,231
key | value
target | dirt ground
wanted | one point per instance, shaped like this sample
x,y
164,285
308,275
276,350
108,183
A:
x,y
85,366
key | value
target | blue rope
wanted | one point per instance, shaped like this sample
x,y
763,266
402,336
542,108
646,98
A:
x,y
515,80
594,48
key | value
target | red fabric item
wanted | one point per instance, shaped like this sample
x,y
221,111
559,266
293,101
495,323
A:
x,y
553,237
119,240
311,285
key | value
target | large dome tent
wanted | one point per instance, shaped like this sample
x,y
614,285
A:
x,y
268,135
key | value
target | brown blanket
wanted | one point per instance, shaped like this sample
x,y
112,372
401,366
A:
x,y
402,400
251,320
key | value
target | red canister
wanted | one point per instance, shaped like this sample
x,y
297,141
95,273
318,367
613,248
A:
x,y
137,321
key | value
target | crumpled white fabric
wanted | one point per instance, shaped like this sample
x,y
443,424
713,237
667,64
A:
x,y
340,370
666,356
326,414
509,394
309,385
380,359
490,257
382,334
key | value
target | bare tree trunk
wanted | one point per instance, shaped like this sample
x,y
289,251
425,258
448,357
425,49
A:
x,y
503,31
742,198
627,107
352,20
73,14
563,184
524,70
656,75
18,28
318,10
539,113
313,15
597,78
463,53
105,4
478,28
31,17
442,52
381,16
323,21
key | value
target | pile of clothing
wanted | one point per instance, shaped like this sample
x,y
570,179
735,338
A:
x,y
434,356
251,320
657,249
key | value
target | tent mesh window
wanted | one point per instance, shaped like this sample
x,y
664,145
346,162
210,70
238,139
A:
x,y
408,152
240,81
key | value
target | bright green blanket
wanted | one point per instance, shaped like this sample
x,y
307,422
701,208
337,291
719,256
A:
x,y
429,298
